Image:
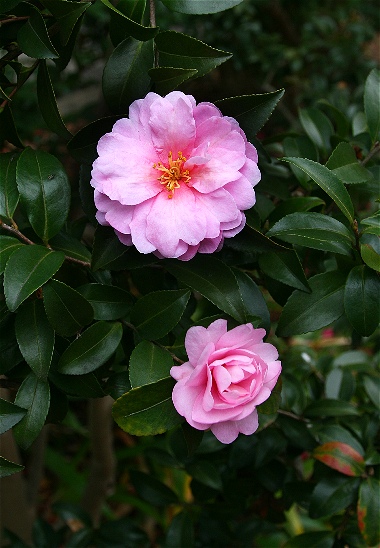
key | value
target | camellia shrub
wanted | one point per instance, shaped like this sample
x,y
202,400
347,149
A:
x,y
216,293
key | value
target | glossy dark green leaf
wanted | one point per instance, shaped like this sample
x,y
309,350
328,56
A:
x,y
133,9
306,312
10,414
314,230
340,120
27,269
33,38
137,31
330,408
328,181
335,432
107,248
91,350
10,354
125,76
82,386
251,111
252,298
214,280
372,104
71,247
361,300
157,313
331,495
197,7
368,511
7,5
34,396
149,363
7,246
370,250
9,195
7,468
48,104
8,130
284,267
180,531
373,220
344,163
293,205
108,302
178,50
205,472
83,145
314,539
152,490
35,337
67,14
317,126
44,191
147,410
168,78
67,310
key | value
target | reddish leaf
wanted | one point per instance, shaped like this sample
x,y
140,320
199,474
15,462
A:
x,y
340,456
368,511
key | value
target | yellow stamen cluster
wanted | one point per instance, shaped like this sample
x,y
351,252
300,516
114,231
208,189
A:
x,y
174,173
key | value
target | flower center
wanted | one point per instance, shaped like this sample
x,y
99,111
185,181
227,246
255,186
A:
x,y
172,175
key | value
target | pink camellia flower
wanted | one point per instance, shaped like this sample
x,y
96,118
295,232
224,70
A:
x,y
228,374
174,177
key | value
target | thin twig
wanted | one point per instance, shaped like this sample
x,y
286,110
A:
x,y
374,150
17,87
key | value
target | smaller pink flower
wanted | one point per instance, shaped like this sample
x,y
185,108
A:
x,y
228,374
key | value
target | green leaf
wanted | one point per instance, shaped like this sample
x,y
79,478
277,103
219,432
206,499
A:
x,y
157,313
284,267
35,337
152,490
180,531
373,220
67,14
7,246
330,408
214,280
369,250
91,350
133,9
34,396
331,495
48,104
125,76
82,386
108,302
107,248
361,300
83,145
178,50
137,31
314,539
372,387
251,111
67,310
27,269
341,457
33,37
205,472
328,181
369,510
70,247
148,363
300,147
7,468
305,312
198,7
8,130
314,230
372,104
10,414
317,126
9,195
344,163
253,300
340,120
271,405
147,410
168,78
44,191
7,5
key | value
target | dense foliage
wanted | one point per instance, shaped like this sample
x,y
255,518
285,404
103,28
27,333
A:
x,y
86,320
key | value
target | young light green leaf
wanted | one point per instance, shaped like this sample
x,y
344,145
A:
x,y
125,76
148,363
27,269
7,246
328,181
306,312
48,104
34,396
372,103
178,50
10,414
7,468
147,410
91,350
9,194
33,38
314,230
44,191
157,313
361,300
67,310
198,7
35,337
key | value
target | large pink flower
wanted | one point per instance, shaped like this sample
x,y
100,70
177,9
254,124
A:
x,y
174,177
228,374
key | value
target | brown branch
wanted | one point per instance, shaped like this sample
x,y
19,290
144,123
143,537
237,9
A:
x,y
374,150
21,18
